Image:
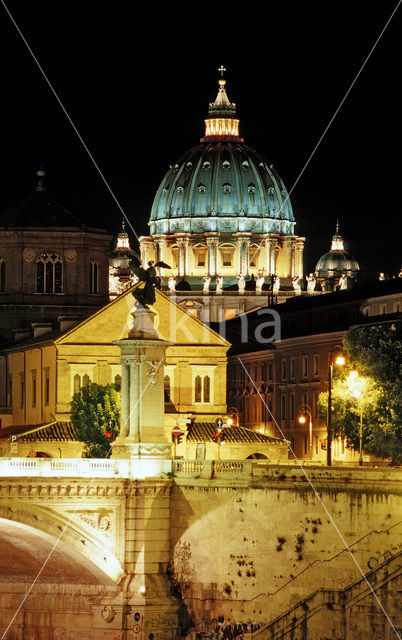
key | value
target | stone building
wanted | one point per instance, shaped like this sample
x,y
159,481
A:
x,y
53,267
270,383
223,221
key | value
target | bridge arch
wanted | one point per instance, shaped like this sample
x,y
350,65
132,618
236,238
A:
x,y
57,539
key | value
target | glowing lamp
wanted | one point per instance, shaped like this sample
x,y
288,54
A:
x,y
340,361
302,419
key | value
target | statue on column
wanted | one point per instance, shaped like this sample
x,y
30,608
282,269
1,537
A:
x,y
219,283
275,284
205,283
241,281
343,282
296,285
172,284
311,282
260,281
144,292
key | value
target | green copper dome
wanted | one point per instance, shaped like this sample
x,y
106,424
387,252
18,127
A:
x,y
222,185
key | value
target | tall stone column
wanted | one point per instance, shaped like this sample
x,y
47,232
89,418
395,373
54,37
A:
x,y
243,243
272,243
212,254
299,257
182,244
142,417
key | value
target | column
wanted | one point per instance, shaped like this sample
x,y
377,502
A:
x,y
268,255
273,254
134,399
182,244
125,400
212,247
299,256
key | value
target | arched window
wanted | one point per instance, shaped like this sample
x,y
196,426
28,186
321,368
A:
x,y
202,389
77,383
49,273
207,389
85,380
93,276
2,274
198,389
117,381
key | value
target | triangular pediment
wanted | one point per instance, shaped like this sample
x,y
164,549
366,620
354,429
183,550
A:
x,y
114,321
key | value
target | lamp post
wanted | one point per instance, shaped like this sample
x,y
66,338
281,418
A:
x,y
303,410
339,361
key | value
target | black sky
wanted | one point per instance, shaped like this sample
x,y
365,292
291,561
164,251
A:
x,y
137,79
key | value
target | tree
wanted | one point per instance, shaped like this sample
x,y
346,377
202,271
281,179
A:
x,y
375,351
91,409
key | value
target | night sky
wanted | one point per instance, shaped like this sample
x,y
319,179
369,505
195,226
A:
x,y
137,85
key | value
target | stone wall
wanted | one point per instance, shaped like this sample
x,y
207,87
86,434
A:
x,y
252,548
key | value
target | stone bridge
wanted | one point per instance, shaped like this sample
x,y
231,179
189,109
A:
x,y
123,550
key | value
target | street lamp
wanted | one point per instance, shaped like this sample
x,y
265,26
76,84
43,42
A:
x,y
356,385
339,361
304,410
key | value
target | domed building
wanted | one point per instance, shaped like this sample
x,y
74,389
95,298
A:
x,y
336,269
223,221
121,262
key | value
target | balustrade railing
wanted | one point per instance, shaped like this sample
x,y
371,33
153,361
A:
x,y
83,467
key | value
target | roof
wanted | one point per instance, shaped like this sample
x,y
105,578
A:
x,y
49,432
203,432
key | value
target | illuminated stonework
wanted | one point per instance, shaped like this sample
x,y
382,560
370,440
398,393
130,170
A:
x,y
222,219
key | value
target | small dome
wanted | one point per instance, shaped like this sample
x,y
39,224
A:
x,y
337,260
122,255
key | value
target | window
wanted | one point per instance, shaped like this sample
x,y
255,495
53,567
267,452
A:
x,y
49,273
304,397
22,390
200,257
207,389
198,389
269,373
316,361
227,257
47,387
93,276
292,368
383,309
254,254
10,390
77,383
33,388
85,380
2,275
202,389
283,369
304,366
283,407
292,406
117,381
397,307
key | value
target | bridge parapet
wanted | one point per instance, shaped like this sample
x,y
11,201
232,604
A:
x,y
83,467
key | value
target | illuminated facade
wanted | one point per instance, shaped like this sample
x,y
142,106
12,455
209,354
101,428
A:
x,y
222,219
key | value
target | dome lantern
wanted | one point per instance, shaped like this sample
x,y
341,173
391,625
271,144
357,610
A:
x,y
222,112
